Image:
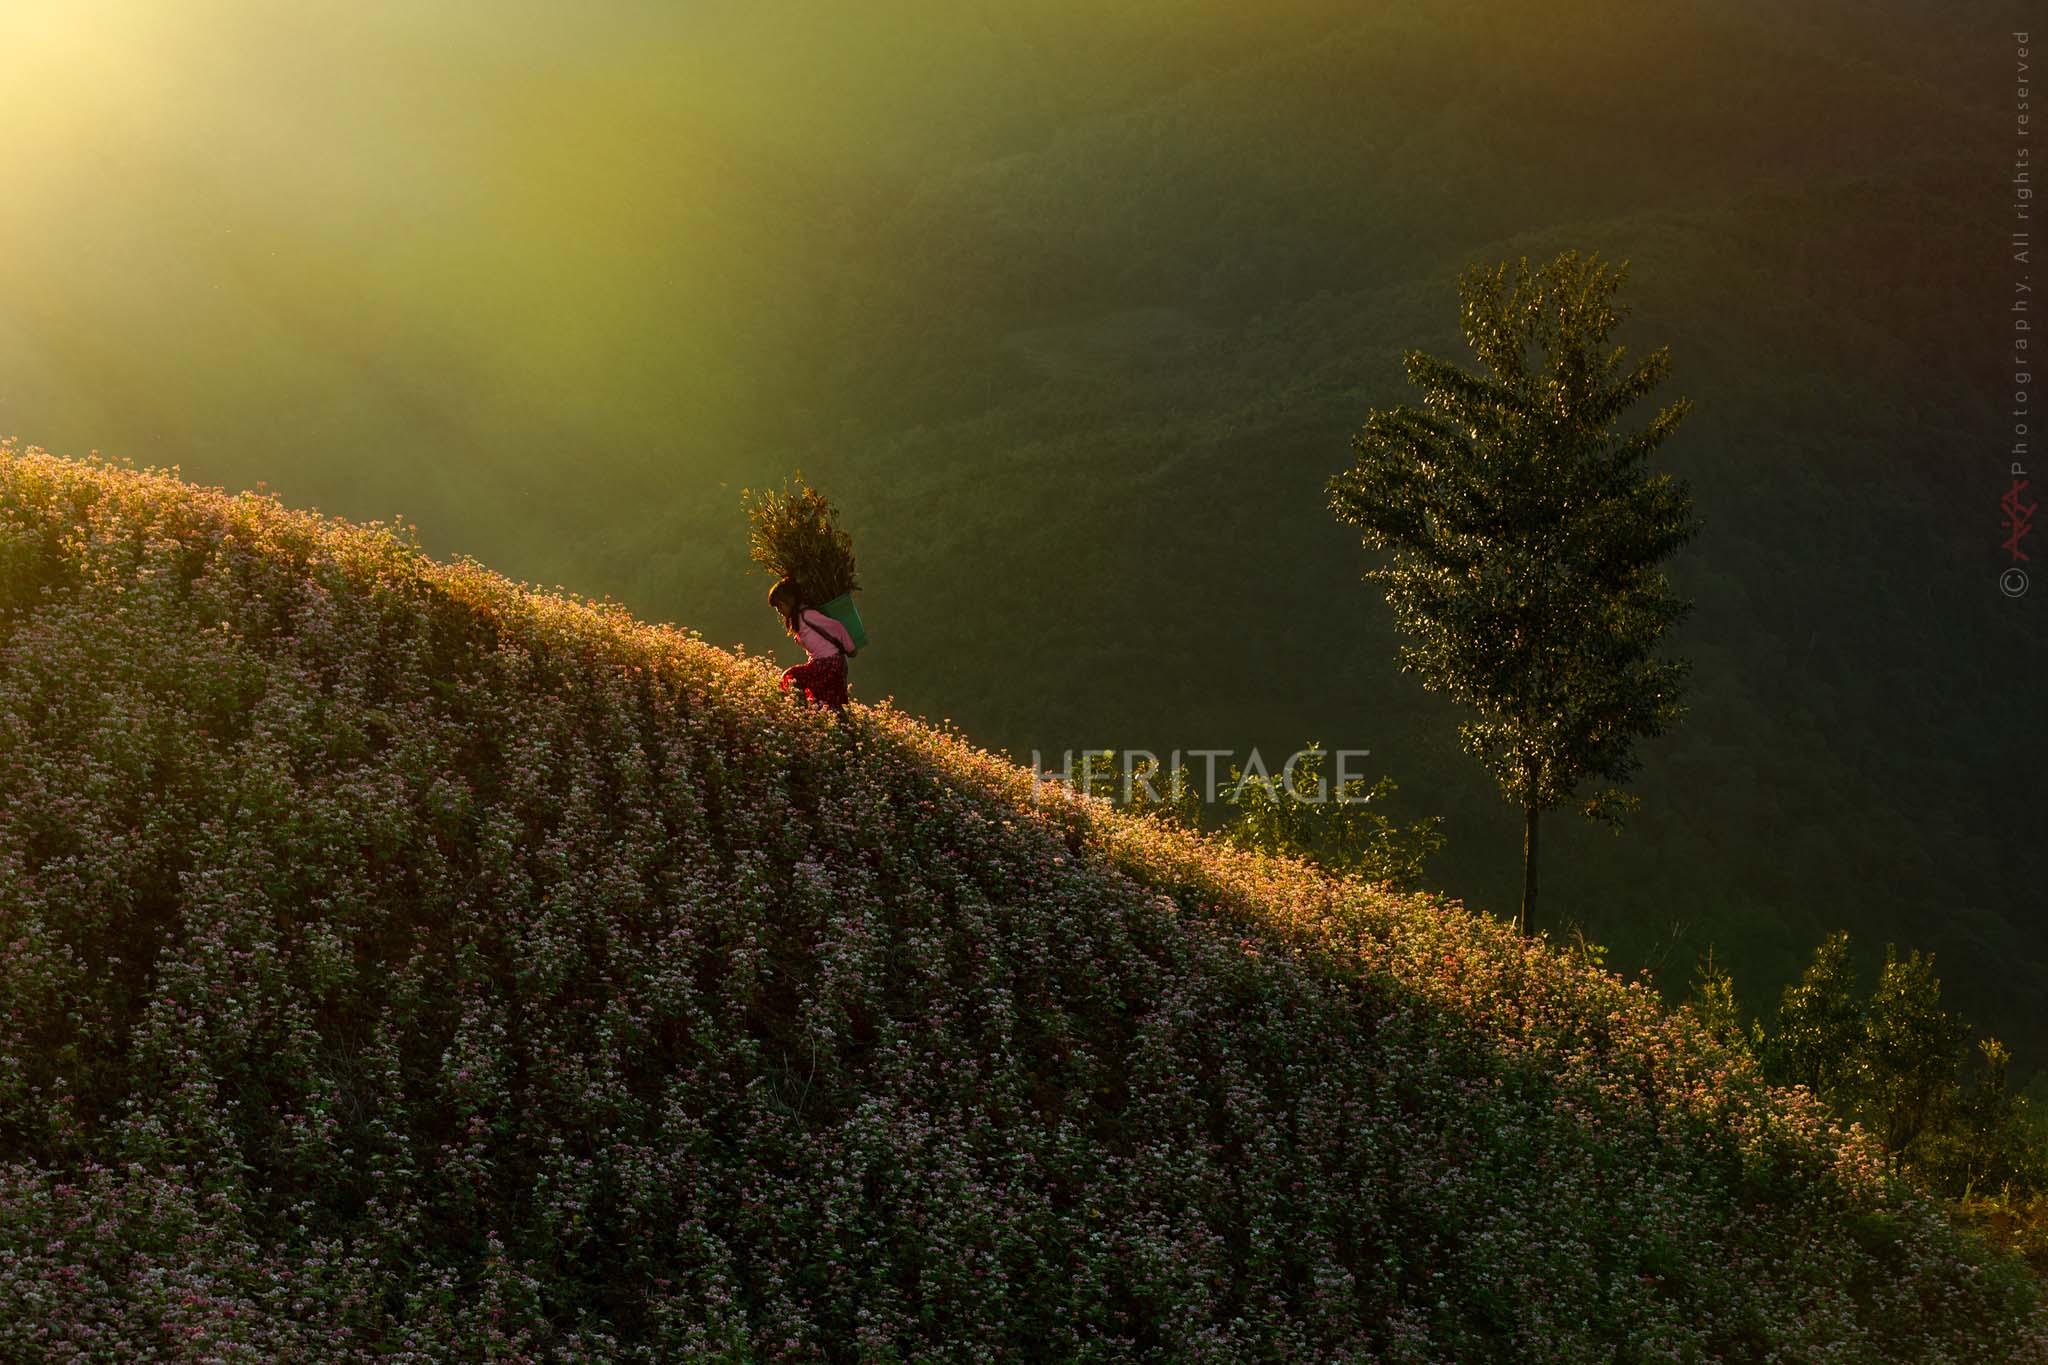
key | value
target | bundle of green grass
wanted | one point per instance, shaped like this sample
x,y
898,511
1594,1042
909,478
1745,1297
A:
x,y
401,963
793,532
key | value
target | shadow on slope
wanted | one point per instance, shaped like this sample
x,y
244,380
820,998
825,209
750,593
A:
x,y
404,960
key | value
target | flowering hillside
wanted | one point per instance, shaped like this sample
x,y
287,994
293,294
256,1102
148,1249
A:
x,y
401,963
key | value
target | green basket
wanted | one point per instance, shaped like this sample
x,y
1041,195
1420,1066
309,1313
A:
x,y
842,610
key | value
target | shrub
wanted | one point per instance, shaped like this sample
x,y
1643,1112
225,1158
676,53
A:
x,y
1299,812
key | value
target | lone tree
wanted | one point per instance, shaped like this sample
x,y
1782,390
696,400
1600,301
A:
x,y
1525,537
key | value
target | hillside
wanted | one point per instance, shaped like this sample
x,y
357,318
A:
x,y
1059,295
402,962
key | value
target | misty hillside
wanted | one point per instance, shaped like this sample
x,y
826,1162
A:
x,y
405,963
1074,311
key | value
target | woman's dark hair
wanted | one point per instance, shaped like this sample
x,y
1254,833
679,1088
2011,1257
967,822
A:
x,y
788,600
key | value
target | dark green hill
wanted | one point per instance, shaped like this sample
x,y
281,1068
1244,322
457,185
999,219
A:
x,y
404,963
1073,311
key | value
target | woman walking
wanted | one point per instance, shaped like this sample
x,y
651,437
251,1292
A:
x,y
827,647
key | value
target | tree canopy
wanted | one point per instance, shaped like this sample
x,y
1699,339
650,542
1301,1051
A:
x,y
1525,537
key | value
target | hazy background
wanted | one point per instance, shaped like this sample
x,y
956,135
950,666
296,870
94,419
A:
x,y
1073,311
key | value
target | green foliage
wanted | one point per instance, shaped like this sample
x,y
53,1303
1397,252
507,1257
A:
x,y
1301,811
794,534
1713,1002
1342,829
1820,1034
1583,948
1913,1050
1993,1144
1897,1061
2011,1219
1525,535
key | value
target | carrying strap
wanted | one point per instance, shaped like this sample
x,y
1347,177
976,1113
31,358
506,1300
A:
x,y
827,635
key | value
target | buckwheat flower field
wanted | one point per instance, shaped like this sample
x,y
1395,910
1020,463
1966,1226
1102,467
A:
x,y
401,963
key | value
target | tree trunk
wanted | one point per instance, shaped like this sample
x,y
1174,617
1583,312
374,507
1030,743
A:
x,y
1527,921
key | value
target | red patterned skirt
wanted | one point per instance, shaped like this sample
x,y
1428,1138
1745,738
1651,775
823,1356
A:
x,y
823,681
